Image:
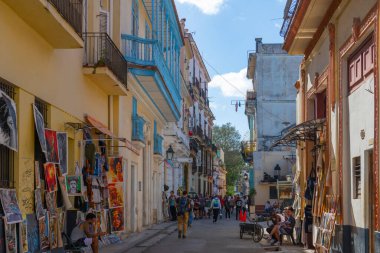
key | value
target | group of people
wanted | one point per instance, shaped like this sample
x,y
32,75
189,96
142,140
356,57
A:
x,y
282,224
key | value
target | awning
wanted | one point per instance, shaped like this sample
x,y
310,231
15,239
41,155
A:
x,y
305,131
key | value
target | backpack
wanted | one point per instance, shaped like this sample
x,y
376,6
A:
x,y
183,206
216,203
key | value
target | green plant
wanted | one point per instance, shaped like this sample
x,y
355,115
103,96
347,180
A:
x,y
252,192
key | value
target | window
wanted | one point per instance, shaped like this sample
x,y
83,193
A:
x,y
272,192
6,154
361,63
39,155
357,189
135,17
42,107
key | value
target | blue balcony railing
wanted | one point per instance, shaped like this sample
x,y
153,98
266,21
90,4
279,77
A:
x,y
148,52
157,148
138,128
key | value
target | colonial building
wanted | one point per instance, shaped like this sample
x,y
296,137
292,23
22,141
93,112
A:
x,y
270,108
102,79
338,117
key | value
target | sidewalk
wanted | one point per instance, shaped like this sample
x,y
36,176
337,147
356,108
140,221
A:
x,y
140,241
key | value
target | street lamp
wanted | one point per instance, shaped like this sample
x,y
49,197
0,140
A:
x,y
170,153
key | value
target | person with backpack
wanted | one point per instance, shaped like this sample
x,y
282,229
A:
x,y
183,209
172,204
239,205
216,206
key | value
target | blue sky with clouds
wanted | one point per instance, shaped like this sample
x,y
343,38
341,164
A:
x,y
225,31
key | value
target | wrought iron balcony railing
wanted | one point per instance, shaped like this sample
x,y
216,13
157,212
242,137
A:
x,y
138,128
71,11
101,51
157,147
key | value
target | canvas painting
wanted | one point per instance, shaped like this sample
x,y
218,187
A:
x,y
50,177
62,151
10,238
23,237
51,203
8,122
74,185
115,172
32,233
40,213
10,206
37,174
40,128
52,154
43,225
53,232
115,195
2,235
117,219
65,196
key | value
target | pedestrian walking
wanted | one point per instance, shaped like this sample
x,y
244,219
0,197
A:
x,y
183,209
238,204
227,207
172,206
216,206
232,204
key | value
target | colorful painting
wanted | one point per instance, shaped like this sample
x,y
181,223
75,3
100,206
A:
x,y
51,146
32,233
40,213
65,196
10,206
43,225
117,219
10,238
37,174
8,122
40,128
115,172
50,177
2,235
115,195
74,185
23,239
101,218
53,232
62,151
51,203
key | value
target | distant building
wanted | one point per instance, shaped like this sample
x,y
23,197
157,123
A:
x,y
271,109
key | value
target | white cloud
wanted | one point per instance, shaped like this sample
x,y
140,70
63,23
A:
x,y
209,7
233,84
278,25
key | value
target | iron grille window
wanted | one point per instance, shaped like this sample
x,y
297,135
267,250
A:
x,y
6,154
357,180
42,107
272,192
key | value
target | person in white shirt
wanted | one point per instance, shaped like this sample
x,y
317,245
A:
x,y
216,206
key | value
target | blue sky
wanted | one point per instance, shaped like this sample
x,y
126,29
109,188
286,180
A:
x,y
225,30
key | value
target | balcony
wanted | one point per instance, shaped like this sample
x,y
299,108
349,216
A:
x,y
156,76
157,147
104,64
179,140
247,149
59,22
198,132
138,130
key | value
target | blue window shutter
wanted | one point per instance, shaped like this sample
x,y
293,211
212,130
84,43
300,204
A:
x,y
134,106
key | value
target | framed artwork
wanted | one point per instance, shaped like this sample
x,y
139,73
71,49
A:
x,y
74,185
115,172
40,128
37,174
10,238
8,122
62,151
52,154
32,233
65,196
51,203
50,177
10,206
43,225
40,213
117,219
115,198
53,232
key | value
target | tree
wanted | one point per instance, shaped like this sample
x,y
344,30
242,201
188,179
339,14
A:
x,y
228,138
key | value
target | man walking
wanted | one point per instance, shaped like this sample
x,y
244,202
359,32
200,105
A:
x,y
183,208
216,206
227,207
172,203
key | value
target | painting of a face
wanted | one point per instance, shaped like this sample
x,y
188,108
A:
x,y
8,122
73,185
